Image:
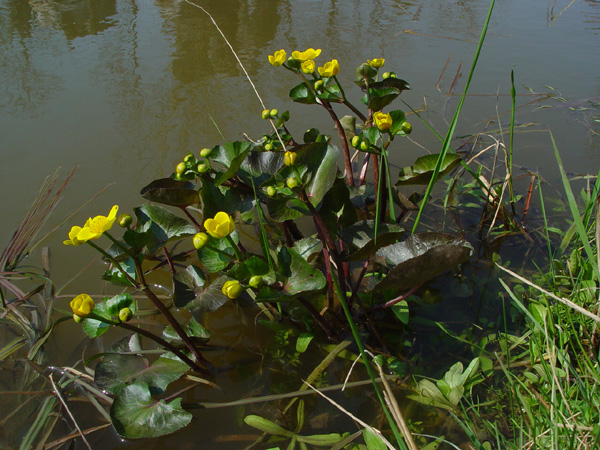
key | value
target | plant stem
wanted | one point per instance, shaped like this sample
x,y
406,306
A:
x,y
236,249
342,135
187,213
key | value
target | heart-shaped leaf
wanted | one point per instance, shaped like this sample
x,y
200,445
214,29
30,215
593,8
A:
x,y
163,224
135,414
303,94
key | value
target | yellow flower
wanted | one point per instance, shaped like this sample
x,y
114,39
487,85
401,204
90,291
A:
x,y
278,58
376,63
310,53
82,305
94,228
232,289
289,158
219,227
330,69
308,66
382,121
73,237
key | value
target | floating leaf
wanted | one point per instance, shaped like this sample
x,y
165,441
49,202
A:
x,y
422,169
171,192
135,414
421,257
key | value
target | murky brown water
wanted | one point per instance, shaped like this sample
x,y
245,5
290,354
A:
x,y
124,89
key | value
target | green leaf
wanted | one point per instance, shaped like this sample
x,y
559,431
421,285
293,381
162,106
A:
x,y
281,209
115,276
321,161
398,118
163,224
231,156
308,247
135,414
215,261
373,441
303,94
186,284
336,208
299,276
252,266
422,169
171,192
210,299
303,340
401,311
421,257
380,98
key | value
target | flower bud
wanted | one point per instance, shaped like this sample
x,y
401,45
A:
x,y
268,147
318,84
188,158
364,146
355,141
180,169
292,182
290,158
266,114
124,220
271,191
386,75
205,152
232,289
256,282
202,167
273,113
406,127
199,240
125,315
82,305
